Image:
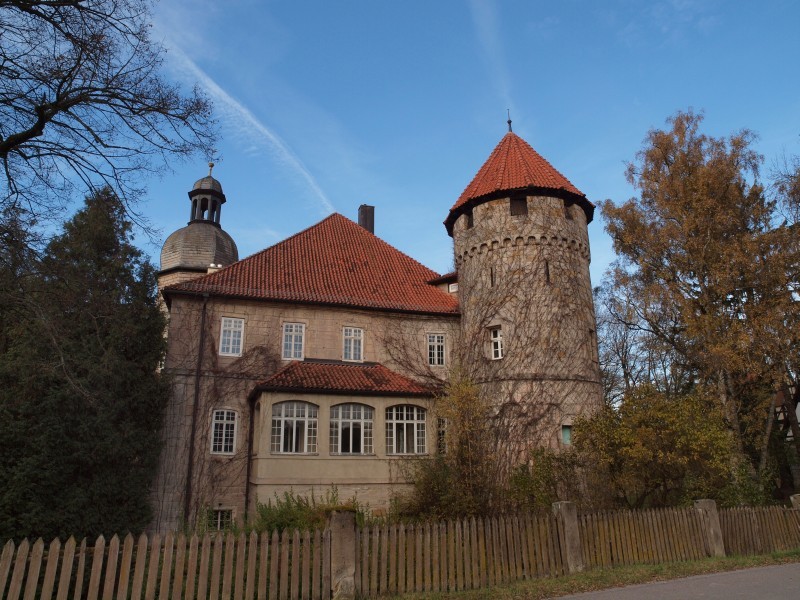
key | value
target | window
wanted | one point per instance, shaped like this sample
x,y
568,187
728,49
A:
x,y
470,222
519,206
219,519
351,429
294,428
353,344
567,210
436,349
452,288
293,341
405,430
441,435
230,339
496,337
566,434
223,432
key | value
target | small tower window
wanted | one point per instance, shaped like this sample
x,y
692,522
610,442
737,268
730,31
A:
x,y
547,271
496,339
567,210
566,434
469,220
519,206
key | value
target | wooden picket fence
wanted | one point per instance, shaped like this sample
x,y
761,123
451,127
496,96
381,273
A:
x,y
759,530
293,565
457,555
388,559
644,536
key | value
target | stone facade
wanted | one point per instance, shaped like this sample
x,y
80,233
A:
x,y
251,416
527,277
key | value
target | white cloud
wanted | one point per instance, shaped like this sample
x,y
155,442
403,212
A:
x,y
484,18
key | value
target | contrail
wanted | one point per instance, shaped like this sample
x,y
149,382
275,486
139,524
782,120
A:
x,y
484,18
248,124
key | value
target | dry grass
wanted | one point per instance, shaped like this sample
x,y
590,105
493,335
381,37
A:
x,y
599,579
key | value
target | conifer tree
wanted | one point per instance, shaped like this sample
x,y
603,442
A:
x,y
81,399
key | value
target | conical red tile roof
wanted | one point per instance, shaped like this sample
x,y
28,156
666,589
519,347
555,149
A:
x,y
334,262
331,377
513,165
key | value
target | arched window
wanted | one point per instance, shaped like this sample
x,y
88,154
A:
x,y
351,429
294,428
405,429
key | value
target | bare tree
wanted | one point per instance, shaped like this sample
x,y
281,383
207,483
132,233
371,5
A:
x,y
83,103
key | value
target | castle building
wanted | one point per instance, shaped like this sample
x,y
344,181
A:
x,y
317,361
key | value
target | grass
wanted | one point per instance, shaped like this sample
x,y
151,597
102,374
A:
x,y
600,579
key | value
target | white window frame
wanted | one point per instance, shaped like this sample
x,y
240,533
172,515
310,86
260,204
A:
x,y
496,341
224,426
402,422
231,336
219,519
291,333
437,349
353,344
352,424
294,428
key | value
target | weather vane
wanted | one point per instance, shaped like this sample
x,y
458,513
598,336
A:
x,y
210,168
508,110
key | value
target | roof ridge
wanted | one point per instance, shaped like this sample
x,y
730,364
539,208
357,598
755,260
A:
x,y
335,261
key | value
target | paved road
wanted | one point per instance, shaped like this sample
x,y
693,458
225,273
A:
x,y
778,582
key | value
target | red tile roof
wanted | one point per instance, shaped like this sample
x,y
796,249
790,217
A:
x,y
330,377
512,165
334,262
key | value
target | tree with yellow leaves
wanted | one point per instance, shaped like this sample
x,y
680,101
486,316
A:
x,y
710,268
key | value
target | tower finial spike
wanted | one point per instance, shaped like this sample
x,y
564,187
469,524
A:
x,y
210,168
508,110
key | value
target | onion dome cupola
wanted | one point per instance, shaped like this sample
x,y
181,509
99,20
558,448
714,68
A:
x,y
514,168
202,244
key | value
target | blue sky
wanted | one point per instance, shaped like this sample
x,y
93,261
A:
x,y
326,105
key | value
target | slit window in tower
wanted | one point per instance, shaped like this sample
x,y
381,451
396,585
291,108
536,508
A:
x,y
470,222
567,211
519,206
547,271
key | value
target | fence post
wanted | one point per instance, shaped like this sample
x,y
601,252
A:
x,y
343,554
795,498
713,531
571,544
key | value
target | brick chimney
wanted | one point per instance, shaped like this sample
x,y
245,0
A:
x,y
366,217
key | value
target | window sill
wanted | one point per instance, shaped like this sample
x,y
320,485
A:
x,y
407,454
352,455
290,454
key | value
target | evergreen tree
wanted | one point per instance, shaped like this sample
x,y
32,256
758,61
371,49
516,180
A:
x,y
81,399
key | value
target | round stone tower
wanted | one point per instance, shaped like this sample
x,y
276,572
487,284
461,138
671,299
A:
x,y
202,245
528,325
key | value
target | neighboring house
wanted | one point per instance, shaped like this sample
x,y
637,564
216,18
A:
x,y
316,361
